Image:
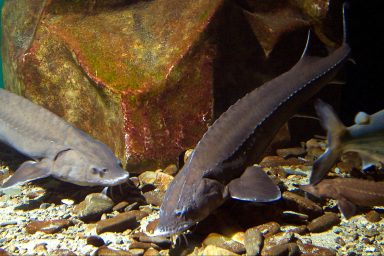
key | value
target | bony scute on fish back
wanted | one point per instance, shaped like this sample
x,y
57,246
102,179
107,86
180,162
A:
x,y
61,150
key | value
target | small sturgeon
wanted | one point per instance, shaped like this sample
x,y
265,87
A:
x,y
57,148
365,137
349,192
215,170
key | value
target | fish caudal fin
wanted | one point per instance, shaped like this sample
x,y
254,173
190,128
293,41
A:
x,y
255,186
29,170
335,130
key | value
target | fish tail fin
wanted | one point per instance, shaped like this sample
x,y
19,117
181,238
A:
x,y
335,131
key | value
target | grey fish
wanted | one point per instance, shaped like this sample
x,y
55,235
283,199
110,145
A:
x,y
215,170
57,148
366,137
349,192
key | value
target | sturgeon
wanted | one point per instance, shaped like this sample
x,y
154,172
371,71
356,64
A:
x,y
366,137
215,170
56,148
349,192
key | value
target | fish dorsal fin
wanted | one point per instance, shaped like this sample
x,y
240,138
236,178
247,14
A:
x,y
255,186
29,170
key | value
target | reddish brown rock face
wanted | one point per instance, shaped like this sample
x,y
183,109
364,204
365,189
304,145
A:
x,y
136,76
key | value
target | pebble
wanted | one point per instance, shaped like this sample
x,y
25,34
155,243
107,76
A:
x,y
93,206
224,242
152,252
154,197
302,204
121,222
136,252
269,228
301,230
323,222
62,252
310,249
162,242
187,154
158,179
4,252
253,241
373,216
48,227
132,206
67,201
289,249
277,239
106,251
275,161
289,152
150,228
95,241
214,250
171,169
120,206
141,245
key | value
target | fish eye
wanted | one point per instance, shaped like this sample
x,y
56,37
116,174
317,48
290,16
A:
x,y
95,170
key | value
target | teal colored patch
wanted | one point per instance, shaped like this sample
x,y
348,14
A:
x,y
1,61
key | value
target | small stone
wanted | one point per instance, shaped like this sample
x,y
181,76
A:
x,y
171,169
45,205
162,242
224,242
253,241
214,250
277,239
289,249
120,206
291,152
301,230
302,204
310,249
135,181
323,222
140,245
93,206
48,227
152,252
106,251
340,241
152,225
187,154
4,252
132,206
269,228
147,177
67,201
373,216
41,248
136,252
121,222
62,252
154,197
95,241
275,161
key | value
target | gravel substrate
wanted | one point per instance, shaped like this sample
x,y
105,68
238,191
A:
x,y
49,217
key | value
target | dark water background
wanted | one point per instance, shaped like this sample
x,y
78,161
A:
x,y
1,67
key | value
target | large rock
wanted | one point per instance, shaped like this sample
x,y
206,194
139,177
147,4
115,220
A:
x,y
137,76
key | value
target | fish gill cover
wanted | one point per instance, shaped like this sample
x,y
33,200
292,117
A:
x,y
1,66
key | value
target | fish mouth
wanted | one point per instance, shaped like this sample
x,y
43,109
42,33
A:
x,y
116,181
171,230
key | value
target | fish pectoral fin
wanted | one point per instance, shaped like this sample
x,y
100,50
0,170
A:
x,y
29,170
346,207
255,186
